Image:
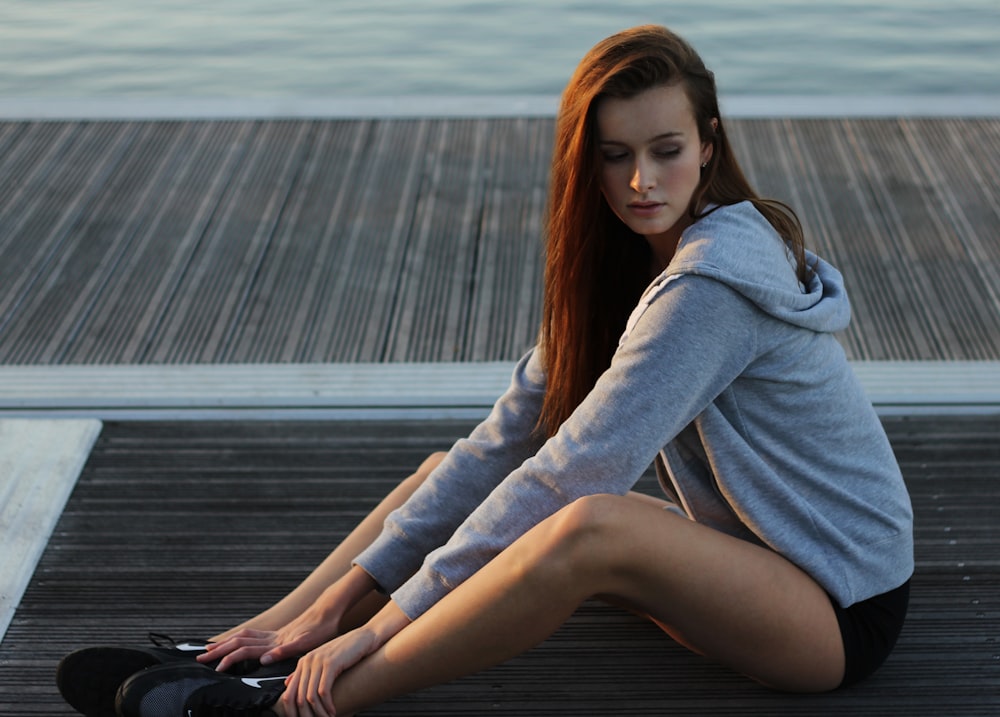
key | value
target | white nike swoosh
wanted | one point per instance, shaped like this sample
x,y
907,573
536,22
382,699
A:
x,y
255,681
188,647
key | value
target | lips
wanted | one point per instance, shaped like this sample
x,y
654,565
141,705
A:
x,y
645,208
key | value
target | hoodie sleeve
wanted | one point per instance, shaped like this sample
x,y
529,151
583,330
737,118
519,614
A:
x,y
688,339
472,468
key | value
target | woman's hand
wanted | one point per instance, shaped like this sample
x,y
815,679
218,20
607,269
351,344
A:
x,y
309,690
311,628
319,623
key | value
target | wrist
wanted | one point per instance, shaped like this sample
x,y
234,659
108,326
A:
x,y
387,622
345,593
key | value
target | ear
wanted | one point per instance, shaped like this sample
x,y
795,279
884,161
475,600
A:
x,y
708,147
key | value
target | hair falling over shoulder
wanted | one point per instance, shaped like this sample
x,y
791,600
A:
x,y
596,268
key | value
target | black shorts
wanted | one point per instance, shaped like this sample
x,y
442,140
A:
x,y
870,629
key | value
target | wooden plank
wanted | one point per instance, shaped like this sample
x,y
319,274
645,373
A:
x,y
45,206
351,324
188,527
967,189
430,308
136,306
505,296
419,239
282,315
943,282
237,240
103,237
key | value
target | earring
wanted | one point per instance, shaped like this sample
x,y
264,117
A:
x,y
704,164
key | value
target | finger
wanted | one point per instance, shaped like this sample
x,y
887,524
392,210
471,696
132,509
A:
x,y
215,651
247,652
326,690
313,692
244,633
227,646
289,696
283,651
276,654
302,690
317,670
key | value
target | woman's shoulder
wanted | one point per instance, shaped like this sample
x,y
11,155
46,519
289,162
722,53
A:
x,y
732,240
734,227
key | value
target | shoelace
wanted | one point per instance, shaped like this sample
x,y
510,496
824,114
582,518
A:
x,y
165,641
161,640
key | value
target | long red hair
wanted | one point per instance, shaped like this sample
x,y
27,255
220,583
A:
x,y
596,267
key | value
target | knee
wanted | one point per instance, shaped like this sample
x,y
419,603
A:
x,y
431,462
585,516
573,536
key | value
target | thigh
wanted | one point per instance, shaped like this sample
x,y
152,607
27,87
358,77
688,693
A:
x,y
735,602
648,499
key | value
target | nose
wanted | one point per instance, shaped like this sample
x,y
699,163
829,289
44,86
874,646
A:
x,y
643,178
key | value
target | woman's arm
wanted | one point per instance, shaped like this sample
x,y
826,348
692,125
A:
x,y
471,470
693,338
309,689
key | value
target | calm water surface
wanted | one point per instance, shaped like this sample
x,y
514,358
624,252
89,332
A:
x,y
252,48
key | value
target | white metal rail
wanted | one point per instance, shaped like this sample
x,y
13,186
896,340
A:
x,y
388,390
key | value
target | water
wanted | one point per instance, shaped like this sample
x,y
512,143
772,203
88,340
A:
x,y
365,48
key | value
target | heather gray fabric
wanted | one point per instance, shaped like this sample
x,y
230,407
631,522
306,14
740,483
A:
x,y
730,371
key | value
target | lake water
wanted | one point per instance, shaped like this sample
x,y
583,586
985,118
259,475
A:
x,y
369,48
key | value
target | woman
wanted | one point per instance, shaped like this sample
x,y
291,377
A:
x,y
683,322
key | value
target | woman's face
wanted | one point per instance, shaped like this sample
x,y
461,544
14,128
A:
x,y
651,157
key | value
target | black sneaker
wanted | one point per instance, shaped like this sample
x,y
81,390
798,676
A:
x,y
89,678
197,691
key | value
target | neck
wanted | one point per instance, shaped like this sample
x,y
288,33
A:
x,y
662,249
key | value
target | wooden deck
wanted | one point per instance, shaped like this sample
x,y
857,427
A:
x,y
128,246
187,527
401,240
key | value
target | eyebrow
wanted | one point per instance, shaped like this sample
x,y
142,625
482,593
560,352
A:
x,y
666,135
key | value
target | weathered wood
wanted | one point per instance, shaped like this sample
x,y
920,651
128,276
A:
x,y
403,240
419,239
187,527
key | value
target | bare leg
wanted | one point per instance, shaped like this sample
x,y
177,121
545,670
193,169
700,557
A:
x,y
339,562
740,604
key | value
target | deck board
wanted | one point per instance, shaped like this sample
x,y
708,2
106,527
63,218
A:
x,y
407,240
186,527
360,241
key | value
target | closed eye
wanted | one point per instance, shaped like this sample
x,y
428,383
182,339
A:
x,y
667,153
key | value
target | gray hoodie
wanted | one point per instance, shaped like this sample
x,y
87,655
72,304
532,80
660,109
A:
x,y
728,374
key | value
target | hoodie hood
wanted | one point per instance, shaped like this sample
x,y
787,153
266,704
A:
x,y
736,245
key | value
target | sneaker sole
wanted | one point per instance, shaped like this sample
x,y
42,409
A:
x,y
105,669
